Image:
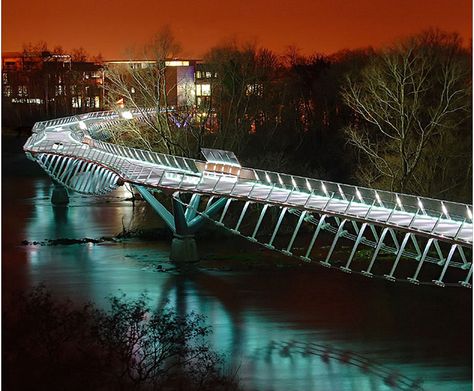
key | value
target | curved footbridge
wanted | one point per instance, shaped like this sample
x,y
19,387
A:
x,y
409,238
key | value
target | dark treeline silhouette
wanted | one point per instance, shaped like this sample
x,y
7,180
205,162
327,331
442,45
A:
x,y
58,345
397,118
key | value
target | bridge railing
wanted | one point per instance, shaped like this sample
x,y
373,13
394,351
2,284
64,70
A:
x,y
354,194
170,161
361,195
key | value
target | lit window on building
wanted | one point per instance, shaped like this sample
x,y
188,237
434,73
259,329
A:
x,y
7,91
254,89
5,78
73,89
34,101
175,63
203,90
88,101
96,102
76,102
59,90
96,74
22,91
208,75
198,74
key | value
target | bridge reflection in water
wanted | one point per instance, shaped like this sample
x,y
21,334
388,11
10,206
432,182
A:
x,y
255,316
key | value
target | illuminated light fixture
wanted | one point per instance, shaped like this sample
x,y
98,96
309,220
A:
x,y
399,202
359,196
267,178
340,190
324,188
308,186
420,204
469,213
378,197
256,176
126,115
293,182
280,180
82,125
445,211
176,63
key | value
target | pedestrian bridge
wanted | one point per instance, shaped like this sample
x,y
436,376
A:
x,y
397,237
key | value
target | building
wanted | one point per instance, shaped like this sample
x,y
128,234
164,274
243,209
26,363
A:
x,y
42,85
186,81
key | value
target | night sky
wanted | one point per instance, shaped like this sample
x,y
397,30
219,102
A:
x,y
323,26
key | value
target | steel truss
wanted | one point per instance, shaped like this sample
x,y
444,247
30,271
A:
x,y
422,252
273,209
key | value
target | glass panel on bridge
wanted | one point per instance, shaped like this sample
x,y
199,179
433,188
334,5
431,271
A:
x,y
219,156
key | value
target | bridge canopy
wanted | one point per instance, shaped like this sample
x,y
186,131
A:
x,y
219,156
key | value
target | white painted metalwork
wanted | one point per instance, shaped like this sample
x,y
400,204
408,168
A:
x,y
71,152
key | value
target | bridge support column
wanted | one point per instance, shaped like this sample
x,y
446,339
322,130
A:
x,y
60,195
184,249
184,221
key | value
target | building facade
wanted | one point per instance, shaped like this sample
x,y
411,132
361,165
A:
x,y
38,86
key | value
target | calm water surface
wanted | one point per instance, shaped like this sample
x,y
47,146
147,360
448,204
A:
x,y
420,332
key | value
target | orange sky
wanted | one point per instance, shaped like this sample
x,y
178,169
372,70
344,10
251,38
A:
x,y
324,26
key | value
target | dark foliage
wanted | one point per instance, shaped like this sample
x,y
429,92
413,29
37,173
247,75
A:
x,y
55,345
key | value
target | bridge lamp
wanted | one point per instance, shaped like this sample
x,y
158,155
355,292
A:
x,y
280,180
267,178
256,175
359,196
324,189
420,205
399,202
445,211
293,182
126,115
469,213
308,186
340,190
378,197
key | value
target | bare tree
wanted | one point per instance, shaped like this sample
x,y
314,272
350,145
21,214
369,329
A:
x,y
411,98
141,84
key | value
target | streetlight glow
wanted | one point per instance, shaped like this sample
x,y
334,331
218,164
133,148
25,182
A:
x,y
445,211
324,189
420,204
378,197
399,202
126,114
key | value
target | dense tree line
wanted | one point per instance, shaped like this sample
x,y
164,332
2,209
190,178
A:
x,y
398,118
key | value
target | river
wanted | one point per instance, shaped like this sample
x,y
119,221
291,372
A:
x,y
261,319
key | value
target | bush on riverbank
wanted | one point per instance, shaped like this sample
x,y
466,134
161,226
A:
x,y
56,345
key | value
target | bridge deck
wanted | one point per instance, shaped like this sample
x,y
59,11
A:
x,y
141,167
